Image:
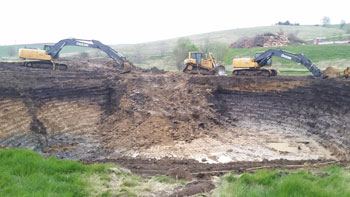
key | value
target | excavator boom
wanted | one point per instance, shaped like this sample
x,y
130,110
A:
x,y
263,58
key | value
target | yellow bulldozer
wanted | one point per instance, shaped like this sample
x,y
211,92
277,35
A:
x,y
204,64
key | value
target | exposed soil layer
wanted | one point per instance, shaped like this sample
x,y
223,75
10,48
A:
x,y
93,111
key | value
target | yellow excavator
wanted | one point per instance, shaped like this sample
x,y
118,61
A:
x,y
259,65
46,58
204,64
247,66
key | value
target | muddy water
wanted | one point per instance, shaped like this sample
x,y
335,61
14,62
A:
x,y
239,145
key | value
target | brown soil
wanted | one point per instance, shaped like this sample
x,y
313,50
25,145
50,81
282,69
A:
x,y
194,187
266,40
156,122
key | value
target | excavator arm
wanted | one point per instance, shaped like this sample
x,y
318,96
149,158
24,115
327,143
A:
x,y
54,50
263,58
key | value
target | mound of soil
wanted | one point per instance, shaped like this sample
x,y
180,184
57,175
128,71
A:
x,y
265,40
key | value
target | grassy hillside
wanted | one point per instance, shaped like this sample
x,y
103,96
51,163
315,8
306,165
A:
x,y
164,47
229,36
159,53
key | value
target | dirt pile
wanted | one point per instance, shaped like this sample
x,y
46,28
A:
x,y
94,112
332,72
264,40
85,112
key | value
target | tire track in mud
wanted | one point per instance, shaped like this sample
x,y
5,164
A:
x,y
191,169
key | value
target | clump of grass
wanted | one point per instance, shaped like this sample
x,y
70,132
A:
x,y
130,183
332,181
126,192
26,173
164,179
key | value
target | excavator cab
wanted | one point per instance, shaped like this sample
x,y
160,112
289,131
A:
x,y
268,63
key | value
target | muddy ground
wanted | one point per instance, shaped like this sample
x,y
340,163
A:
x,y
150,121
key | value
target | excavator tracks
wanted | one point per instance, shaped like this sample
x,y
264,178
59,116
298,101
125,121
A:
x,y
45,65
255,72
37,65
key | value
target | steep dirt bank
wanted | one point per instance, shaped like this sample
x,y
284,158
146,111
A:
x,y
91,112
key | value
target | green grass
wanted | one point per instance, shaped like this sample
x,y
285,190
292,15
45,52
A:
x,y
26,173
331,181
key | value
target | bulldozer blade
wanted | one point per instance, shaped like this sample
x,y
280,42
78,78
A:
x,y
220,70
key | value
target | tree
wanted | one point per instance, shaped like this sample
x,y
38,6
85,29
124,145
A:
x,y
342,24
180,51
11,51
347,29
220,50
205,47
326,21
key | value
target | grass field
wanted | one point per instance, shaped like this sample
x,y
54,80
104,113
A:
x,y
331,181
26,173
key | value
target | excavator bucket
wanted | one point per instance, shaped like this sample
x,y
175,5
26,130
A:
x,y
220,70
127,67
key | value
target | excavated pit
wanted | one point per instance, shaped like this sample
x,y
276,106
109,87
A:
x,y
153,122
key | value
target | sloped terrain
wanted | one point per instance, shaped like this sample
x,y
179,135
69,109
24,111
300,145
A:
x,y
94,113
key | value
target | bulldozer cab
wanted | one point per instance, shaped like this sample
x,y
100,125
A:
x,y
198,56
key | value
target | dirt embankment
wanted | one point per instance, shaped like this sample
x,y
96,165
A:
x,y
95,114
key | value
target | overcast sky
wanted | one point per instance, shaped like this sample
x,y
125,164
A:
x,y
137,21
